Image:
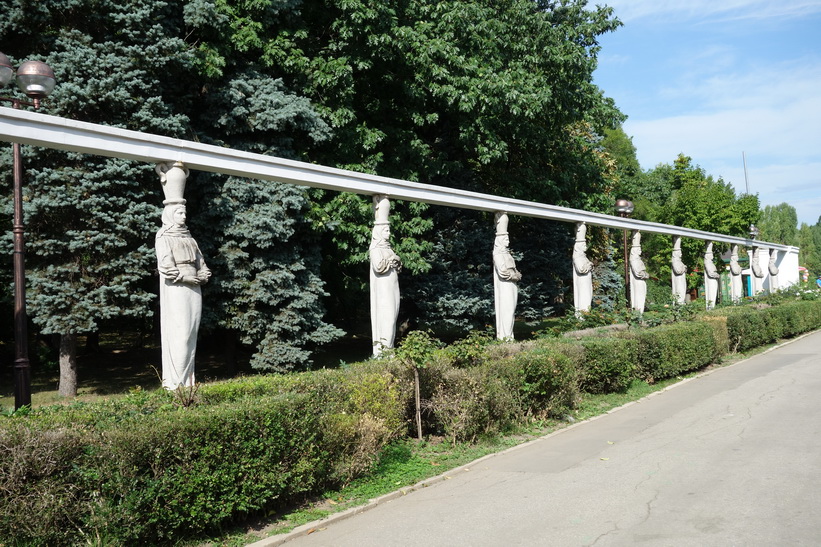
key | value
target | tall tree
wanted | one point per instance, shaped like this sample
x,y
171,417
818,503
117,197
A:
x,y
779,224
139,65
702,203
88,248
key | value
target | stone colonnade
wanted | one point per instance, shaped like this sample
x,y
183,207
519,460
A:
x,y
183,270
55,132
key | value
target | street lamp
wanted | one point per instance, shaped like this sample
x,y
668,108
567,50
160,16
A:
x,y
36,80
625,208
754,231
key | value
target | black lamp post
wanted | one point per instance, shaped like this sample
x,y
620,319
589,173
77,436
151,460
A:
x,y
36,80
625,208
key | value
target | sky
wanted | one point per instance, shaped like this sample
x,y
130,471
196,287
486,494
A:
x,y
721,80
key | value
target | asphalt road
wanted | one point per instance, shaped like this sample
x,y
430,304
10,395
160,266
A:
x,y
732,457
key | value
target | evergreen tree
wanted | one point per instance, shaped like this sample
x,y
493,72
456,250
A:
x,y
88,217
92,220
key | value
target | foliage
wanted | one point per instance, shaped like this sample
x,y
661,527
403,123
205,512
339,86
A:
x,y
142,468
691,198
609,364
778,224
469,351
146,66
464,94
671,350
151,472
89,219
809,240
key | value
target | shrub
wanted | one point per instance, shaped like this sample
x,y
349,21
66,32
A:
x,y
669,350
548,382
609,364
159,473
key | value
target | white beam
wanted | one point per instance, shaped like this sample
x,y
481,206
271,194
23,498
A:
x,y
38,129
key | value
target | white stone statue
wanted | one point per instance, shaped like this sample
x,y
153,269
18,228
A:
x,y
758,272
679,272
384,278
773,270
582,271
711,277
638,275
736,286
182,271
505,279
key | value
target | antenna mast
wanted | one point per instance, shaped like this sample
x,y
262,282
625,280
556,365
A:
x,y
746,181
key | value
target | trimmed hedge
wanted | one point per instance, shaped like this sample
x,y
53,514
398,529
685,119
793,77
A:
x,y
750,327
143,469
146,470
610,364
670,350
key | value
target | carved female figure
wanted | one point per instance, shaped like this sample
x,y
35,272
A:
x,y
638,275
735,275
679,271
582,271
773,270
758,272
182,270
505,279
384,278
711,277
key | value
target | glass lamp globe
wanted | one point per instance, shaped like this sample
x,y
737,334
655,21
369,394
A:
x,y
35,79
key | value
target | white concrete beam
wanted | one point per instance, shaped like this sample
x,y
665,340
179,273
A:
x,y
38,129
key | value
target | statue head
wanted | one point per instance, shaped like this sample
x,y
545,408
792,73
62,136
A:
x,y
174,214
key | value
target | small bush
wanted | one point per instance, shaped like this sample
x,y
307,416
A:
x,y
548,381
669,350
609,364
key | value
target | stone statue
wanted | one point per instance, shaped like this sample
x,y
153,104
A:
x,y
638,275
182,271
735,275
758,273
384,278
711,277
773,270
505,279
679,272
582,271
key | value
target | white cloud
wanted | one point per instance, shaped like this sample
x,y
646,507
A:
x,y
699,10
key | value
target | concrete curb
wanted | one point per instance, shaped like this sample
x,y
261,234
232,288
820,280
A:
x,y
315,526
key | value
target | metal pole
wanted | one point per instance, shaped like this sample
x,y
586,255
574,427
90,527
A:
x,y
626,270
746,181
22,367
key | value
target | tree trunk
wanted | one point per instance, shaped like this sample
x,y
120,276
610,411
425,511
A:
x,y
93,342
68,365
229,351
418,403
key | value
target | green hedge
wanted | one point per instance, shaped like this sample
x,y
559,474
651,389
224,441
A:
x,y
749,327
610,364
144,469
670,350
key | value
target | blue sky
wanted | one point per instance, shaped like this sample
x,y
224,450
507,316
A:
x,y
715,78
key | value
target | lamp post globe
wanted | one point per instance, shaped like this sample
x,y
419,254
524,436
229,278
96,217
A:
x,y
35,79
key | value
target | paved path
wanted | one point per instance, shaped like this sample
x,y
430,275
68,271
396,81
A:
x,y
729,458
